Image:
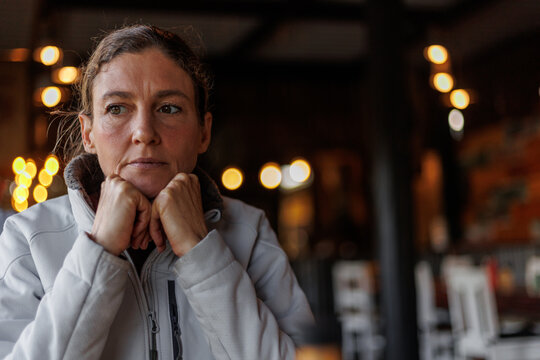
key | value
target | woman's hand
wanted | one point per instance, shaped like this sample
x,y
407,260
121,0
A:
x,y
178,211
122,216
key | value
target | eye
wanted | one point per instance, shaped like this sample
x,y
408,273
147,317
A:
x,y
169,109
116,109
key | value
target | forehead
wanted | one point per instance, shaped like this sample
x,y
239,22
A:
x,y
142,73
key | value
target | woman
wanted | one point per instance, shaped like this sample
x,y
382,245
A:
x,y
78,276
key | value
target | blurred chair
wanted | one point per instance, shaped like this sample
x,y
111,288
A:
x,y
435,334
450,262
355,306
532,276
475,322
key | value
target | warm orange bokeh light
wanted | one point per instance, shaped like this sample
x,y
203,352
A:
x,y
52,165
460,98
232,178
18,165
49,55
437,54
270,175
443,82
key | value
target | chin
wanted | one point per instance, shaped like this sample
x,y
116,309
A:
x,y
150,189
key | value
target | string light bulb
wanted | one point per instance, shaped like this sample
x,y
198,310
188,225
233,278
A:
x,y
18,165
51,96
460,98
45,178
443,82
40,193
49,55
232,178
66,75
270,175
437,54
300,170
52,165
456,121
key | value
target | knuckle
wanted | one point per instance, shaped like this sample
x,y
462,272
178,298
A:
x,y
182,176
167,193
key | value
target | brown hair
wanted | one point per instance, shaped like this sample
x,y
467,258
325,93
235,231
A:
x,y
129,39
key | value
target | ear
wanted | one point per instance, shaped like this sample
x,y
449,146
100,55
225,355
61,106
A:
x,y
86,133
206,130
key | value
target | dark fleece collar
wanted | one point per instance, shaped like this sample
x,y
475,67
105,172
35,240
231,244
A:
x,y
84,173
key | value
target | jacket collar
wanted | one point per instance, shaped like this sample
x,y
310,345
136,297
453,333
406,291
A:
x,y
83,177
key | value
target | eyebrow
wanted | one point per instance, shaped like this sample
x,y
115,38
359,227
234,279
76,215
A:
x,y
161,94
166,93
120,94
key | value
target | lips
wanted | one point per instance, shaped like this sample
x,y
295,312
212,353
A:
x,y
146,163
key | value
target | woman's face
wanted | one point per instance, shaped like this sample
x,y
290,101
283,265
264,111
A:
x,y
145,126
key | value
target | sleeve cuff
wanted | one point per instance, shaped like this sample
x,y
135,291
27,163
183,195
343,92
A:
x,y
207,258
85,256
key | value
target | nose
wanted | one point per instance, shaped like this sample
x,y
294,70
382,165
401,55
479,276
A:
x,y
144,128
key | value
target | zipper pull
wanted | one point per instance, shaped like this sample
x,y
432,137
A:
x,y
155,330
155,325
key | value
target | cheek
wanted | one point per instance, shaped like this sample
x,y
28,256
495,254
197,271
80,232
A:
x,y
110,146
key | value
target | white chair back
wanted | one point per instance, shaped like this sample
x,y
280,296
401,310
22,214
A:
x,y
532,276
425,296
473,312
355,306
353,287
450,262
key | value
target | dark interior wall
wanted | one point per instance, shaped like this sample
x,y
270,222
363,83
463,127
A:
x,y
276,113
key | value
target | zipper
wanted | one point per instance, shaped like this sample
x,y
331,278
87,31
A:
x,y
145,298
154,330
173,312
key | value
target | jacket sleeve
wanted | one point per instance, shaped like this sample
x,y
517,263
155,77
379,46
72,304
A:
x,y
253,314
68,321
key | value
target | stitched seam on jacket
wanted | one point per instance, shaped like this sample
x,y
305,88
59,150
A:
x,y
210,323
265,242
36,234
211,276
11,263
82,307
246,224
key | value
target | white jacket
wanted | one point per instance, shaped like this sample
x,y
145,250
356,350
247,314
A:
x,y
62,296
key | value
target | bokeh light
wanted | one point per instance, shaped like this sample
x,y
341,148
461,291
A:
x,y
18,165
19,206
21,193
67,74
52,165
460,98
300,170
49,55
40,193
45,178
31,168
19,54
270,175
51,96
437,54
456,121
23,179
443,82
232,178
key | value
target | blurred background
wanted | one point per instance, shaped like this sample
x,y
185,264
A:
x,y
379,134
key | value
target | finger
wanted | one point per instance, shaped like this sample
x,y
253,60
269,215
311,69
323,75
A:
x,y
155,228
145,241
142,219
137,241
